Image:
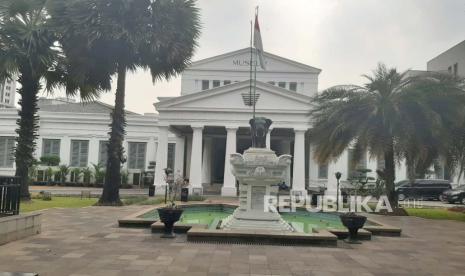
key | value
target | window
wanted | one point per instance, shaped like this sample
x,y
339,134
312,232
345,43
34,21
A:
x,y
354,166
272,82
449,69
293,86
79,153
7,94
171,155
205,84
226,82
216,83
456,68
323,171
282,84
136,155
8,87
103,152
7,145
51,147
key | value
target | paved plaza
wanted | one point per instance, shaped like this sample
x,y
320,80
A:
x,y
88,241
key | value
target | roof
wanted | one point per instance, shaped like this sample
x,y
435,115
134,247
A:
x,y
90,107
266,54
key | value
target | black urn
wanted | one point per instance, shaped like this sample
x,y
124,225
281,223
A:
x,y
353,223
169,216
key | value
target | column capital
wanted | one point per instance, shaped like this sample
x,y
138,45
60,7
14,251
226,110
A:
x,y
197,126
300,129
163,125
231,128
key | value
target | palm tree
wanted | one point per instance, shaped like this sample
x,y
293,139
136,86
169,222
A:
x,y
111,37
387,116
64,171
28,52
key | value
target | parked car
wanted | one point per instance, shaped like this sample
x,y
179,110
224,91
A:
x,y
455,195
422,189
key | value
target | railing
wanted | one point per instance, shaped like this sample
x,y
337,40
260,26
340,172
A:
x,y
9,195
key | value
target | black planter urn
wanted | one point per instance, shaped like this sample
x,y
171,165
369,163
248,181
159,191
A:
x,y
169,216
353,223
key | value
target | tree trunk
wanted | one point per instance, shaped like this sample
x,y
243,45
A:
x,y
390,171
110,194
27,129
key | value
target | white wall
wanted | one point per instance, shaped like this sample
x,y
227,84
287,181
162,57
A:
x,y
235,67
448,58
83,126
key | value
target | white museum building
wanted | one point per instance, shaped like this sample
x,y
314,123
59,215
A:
x,y
196,132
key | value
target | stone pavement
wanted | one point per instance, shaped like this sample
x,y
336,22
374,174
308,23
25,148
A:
x,y
87,241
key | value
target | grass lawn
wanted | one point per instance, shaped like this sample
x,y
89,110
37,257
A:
x,y
61,202
76,202
436,213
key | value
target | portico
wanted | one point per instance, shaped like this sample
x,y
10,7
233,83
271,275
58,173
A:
x,y
213,133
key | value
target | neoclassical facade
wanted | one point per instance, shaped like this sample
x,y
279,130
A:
x,y
210,122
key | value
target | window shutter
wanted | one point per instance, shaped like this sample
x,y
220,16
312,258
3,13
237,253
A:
x,y
74,153
10,152
46,145
3,151
103,152
84,152
56,147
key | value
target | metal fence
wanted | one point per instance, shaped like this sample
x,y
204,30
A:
x,y
9,195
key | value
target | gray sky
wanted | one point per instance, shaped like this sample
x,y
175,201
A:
x,y
345,38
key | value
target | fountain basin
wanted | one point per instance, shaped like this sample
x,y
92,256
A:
x,y
201,220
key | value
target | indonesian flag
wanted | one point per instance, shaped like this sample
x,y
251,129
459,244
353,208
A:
x,y
257,42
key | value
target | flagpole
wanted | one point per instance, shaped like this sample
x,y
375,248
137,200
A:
x,y
251,56
255,73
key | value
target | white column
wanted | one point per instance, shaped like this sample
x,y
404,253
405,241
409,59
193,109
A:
x,y
93,151
188,154
161,161
286,149
150,152
268,139
195,174
207,160
229,184
179,155
341,165
65,150
298,178
38,150
401,171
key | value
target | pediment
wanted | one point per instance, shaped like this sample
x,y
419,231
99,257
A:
x,y
240,61
237,97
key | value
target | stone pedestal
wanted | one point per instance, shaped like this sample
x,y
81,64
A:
x,y
259,171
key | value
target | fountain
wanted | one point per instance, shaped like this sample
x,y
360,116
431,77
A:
x,y
259,171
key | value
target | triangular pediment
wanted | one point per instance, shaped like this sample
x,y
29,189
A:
x,y
240,61
237,97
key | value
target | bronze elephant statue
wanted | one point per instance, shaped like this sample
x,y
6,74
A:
x,y
259,128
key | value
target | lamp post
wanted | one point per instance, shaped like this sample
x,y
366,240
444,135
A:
x,y
338,177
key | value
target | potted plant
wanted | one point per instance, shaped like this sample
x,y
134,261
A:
x,y
171,213
353,222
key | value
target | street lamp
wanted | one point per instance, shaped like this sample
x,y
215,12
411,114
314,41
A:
x,y
338,177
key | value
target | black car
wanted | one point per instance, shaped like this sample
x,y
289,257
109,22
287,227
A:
x,y
455,195
422,189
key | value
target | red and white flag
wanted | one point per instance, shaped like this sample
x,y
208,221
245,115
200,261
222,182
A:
x,y
257,42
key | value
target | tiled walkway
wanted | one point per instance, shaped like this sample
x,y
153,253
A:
x,y
88,242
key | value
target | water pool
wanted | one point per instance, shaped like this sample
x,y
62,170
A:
x,y
302,221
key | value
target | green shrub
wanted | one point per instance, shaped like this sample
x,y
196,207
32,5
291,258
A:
x,y
50,160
